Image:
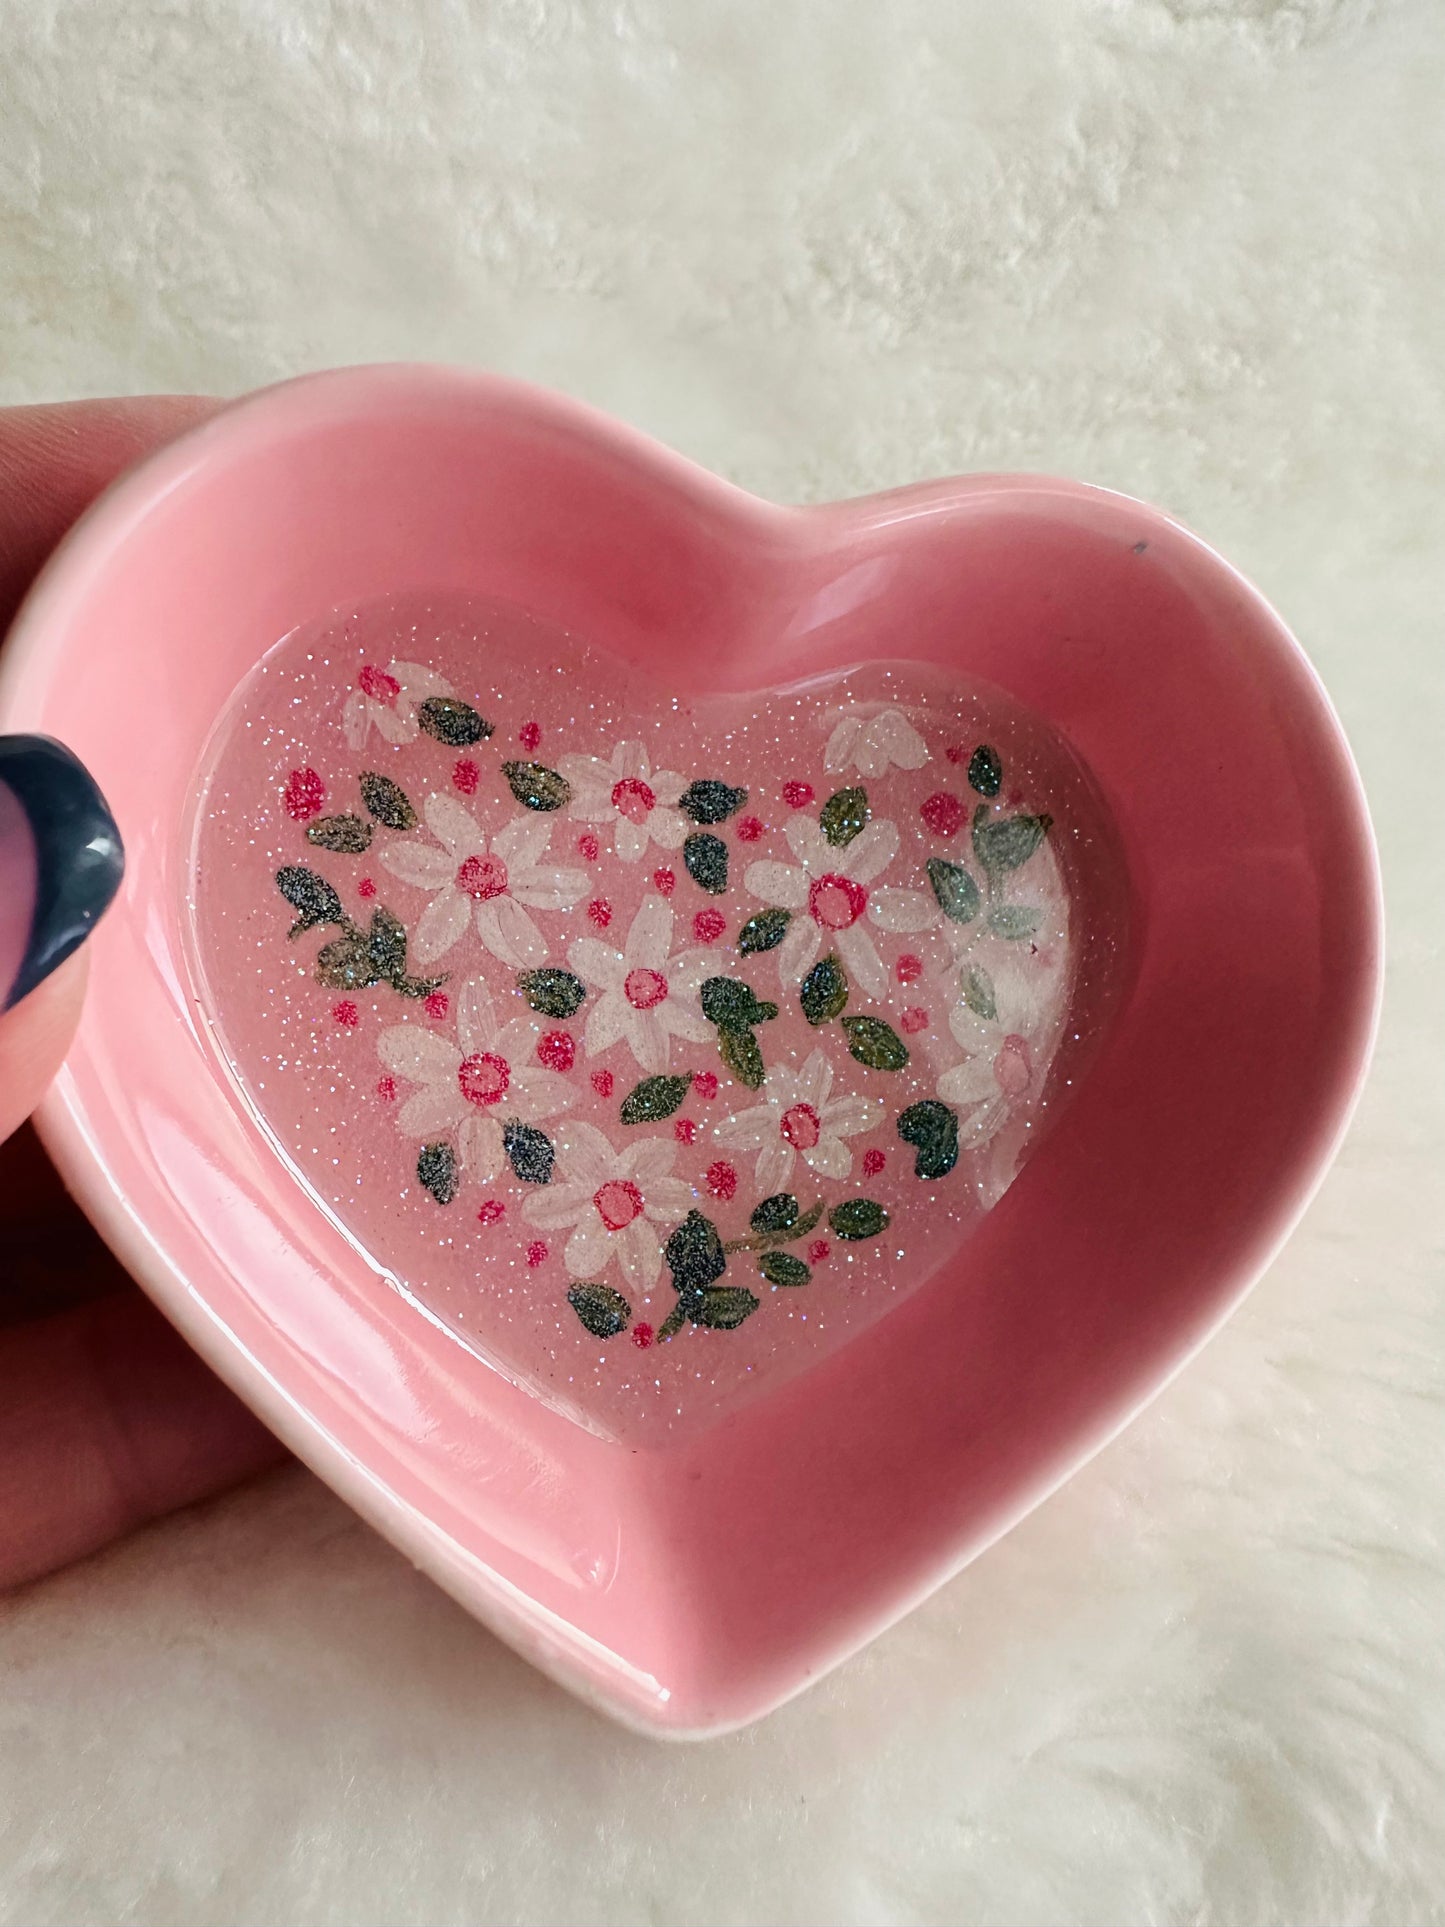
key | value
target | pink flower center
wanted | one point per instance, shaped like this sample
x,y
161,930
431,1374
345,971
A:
x,y
484,1078
836,902
633,799
1012,1067
482,877
618,1203
644,989
378,685
801,1127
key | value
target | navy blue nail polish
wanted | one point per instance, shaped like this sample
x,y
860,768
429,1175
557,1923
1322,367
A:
x,y
61,860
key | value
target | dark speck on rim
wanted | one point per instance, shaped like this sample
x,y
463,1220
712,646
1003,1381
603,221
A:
x,y
1139,547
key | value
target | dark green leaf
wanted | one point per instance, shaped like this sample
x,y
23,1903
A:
x,y
764,931
530,1153
709,801
312,895
603,1311
932,1128
552,993
957,893
978,992
726,1001
654,1098
985,771
387,944
387,802
777,1213
782,1268
346,835
694,1253
722,1309
456,724
1005,842
346,963
857,1218
416,986
739,1050
436,1170
824,991
706,858
876,1044
844,816
1014,920
536,786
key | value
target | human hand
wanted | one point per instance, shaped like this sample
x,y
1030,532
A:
x,y
107,1418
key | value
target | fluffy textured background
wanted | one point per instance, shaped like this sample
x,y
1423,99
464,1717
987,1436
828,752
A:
x,y
1190,248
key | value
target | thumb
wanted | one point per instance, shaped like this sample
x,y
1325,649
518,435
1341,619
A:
x,y
60,865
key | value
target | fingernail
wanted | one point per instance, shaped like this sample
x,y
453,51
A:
x,y
61,860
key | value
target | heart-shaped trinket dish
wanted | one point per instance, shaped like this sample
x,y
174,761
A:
x,y
694,1059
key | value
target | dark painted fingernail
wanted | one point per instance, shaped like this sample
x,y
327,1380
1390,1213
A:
x,y
60,860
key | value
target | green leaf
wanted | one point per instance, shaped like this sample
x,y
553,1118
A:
x,y
536,786
777,1213
345,835
530,1153
655,1098
740,1051
694,1253
726,1001
932,1129
985,771
764,931
1006,842
978,993
957,893
346,962
844,816
824,991
722,1309
311,895
387,945
706,858
552,993
603,1311
387,801
857,1218
876,1044
436,1170
456,724
782,1268
709,801
1014,920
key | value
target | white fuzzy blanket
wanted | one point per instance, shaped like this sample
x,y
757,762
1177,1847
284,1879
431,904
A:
x,y
1190,248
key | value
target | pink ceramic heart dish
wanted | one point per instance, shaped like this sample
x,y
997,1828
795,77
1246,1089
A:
x,y
694,1059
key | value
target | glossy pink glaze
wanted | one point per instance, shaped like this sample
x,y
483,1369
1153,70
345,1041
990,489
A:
x,y
691,1588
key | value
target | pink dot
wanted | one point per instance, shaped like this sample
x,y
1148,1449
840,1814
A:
x,y
437,1005
665,881
708,925
366,887
466,775
908,968
942,813
588,846
600,911
956,753
797,796
750,829
722,1179
304,795
817,1251
346,1014
557,1050
914,1020
537,1253
1015,797
873,1163
377,684
704,1084
602,1082
492,1212
386,1089
529,735
642,1335
685,1131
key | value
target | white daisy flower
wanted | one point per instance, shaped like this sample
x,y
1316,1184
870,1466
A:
x,y
491,879
1007,1025
613,1200
829,891
649,995
797,1119
475,1084
626,791
874,744
387,700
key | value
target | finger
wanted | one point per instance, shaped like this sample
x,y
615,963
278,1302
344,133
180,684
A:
x,y
107,1421
53,1257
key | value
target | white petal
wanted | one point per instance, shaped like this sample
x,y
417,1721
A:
x,y
421,864
522,843
778,883
650,1160
418,681
606,1022
630,759
476,1017
639,1254
903,910
510,934
437,1107
985,1123
441,924
839,752
480,1143
667,827
457,828
597,963
415,1052
668,1199
587,1153
775,1164
650,938
812,1084
355,722
590,771
865,966
546,888
629,840
798,951
551,1206
870,852
396,725
537,1092
747,1130
903,745
847,1116
589,1248
829,1157
648,1041
686,970
809,845
681,1020
969,1083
